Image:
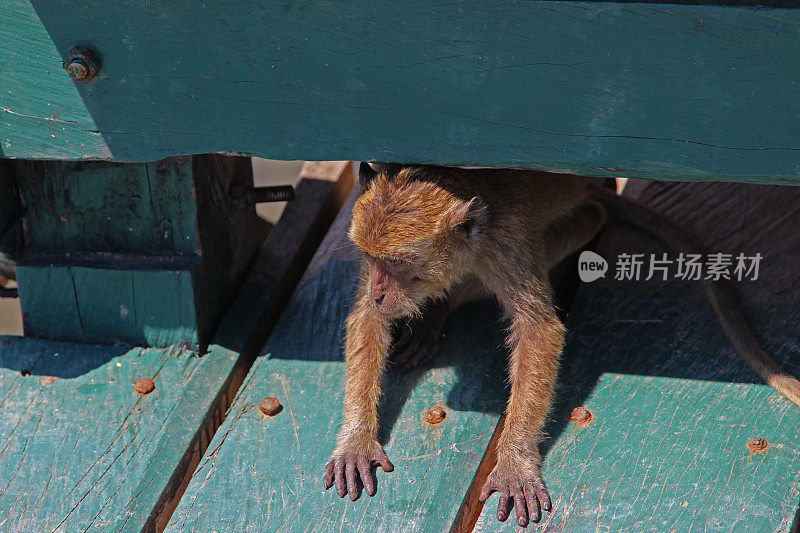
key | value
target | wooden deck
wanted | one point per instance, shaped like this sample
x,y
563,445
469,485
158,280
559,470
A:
x,y
672,409
691,91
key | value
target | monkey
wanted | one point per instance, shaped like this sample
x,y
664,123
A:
x,y
437,237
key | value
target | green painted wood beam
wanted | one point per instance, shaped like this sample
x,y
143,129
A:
x,y
83,304
144,253
668,91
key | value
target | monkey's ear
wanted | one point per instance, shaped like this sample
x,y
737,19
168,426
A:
x,y
366,174
470,219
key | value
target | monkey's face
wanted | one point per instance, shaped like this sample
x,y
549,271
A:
x,y
416,237
396,287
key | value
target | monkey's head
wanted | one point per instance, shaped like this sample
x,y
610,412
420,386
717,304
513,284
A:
x,y
418,238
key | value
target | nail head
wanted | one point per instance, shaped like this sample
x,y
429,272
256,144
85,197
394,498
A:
x,y
435,414
144,386
580,415
270,406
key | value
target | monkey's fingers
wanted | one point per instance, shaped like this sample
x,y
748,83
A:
x,y
379,459
341,487
352,480
486,491
542,495
519,505
532,502
366,475
503,504
328,479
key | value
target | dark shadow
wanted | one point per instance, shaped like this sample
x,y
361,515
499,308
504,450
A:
x,y
33,357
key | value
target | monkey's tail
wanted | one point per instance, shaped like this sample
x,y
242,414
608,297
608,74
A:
x,y
719,292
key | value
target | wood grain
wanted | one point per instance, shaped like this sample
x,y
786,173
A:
x,y
659,90
143,253
270,470
673,406
81,451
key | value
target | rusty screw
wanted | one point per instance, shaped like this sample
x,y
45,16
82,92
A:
x,y
25,372
270,406
757,444
81,64
435,414
144,386
580,415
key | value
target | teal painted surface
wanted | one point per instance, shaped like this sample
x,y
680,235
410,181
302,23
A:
x,y
669,454
147,307
83,452
108,207
86,452
673,406
602,88
270,470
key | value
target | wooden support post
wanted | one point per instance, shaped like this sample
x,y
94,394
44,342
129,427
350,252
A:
x,y
10,218
149,253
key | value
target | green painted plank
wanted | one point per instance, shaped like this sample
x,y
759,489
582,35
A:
x,y
673,407
109,207
84,304
86,452
81,451
691,92
143,253
270,470
669,454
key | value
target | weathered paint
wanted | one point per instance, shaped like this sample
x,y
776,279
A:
x,y
143,253
673,407
270,470
690,92
82,450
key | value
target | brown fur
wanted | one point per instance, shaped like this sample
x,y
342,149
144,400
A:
x,y
424,232
431,232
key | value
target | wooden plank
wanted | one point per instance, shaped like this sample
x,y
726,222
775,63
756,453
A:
x,y
81,451
110,207
277,463
149,253
656,90
673,408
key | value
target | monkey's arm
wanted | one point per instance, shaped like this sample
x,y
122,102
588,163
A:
x,y
536,339
357,448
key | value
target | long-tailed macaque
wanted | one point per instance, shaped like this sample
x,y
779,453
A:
x,y
431,234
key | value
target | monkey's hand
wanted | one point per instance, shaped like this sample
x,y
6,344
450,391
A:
x,y
353,460
519,480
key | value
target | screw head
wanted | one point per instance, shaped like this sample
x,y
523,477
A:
x,y
81,64
144,386
757,444
580,415
270,406
435,414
